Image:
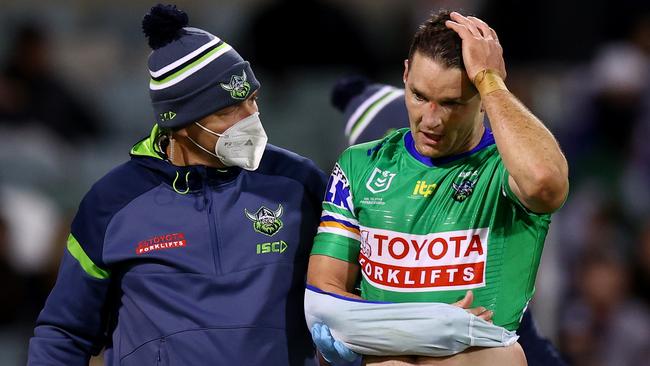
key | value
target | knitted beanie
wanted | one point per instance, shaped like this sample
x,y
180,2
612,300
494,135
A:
x,y
371,110
193,73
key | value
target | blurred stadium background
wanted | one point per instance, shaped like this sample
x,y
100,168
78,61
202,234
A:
x,y
74,98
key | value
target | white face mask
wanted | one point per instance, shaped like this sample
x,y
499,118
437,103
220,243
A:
x,y
240,145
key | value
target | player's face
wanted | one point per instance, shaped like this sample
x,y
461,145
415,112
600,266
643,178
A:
x,y
444,108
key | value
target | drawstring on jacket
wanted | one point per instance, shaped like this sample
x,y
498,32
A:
x,y
204,189
187,184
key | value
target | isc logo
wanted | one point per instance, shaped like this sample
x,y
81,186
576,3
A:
x,y
272,247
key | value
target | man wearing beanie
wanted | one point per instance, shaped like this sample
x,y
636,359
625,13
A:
x,y
194,252
371,110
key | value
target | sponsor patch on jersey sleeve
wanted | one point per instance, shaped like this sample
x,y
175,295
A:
x,y
338,191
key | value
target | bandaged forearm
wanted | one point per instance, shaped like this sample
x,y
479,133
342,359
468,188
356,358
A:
x,y
391,329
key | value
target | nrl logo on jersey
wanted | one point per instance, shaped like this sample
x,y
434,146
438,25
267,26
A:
x,y
265,221
463,190
238,86
380,180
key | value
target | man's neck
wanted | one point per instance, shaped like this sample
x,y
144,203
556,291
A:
x,y
183,153
470,142
475,138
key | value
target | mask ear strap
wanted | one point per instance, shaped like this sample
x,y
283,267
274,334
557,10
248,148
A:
x,y
208,130
202,148
171,149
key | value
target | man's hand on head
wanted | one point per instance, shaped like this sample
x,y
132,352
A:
x,y
481,47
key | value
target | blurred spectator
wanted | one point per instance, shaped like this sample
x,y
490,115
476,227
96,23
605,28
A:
x,y
13,286
607,107
32,221
31,93
28,223
604,326
606,143
641,263
636,174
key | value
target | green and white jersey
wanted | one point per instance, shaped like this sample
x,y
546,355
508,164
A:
x,y
427,230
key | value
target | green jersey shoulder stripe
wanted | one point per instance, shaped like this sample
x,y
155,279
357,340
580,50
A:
x,y
86,263
327,206
338,216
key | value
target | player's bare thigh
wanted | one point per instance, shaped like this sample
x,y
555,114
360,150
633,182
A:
x,y
503,356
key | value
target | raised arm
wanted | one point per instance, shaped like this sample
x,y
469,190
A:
x,y
538,170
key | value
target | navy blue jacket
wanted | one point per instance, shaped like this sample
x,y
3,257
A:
x,y
214,276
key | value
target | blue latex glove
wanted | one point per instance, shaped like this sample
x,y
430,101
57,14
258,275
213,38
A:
x,y
332,350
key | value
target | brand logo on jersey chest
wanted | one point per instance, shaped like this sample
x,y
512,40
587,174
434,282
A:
x,y
463,190
403,262
159,242
265,221
422,188
272,247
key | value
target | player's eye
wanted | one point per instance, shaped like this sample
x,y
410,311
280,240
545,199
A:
x,y
450,103
418,97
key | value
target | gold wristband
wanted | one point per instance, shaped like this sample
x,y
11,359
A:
x,y
488,81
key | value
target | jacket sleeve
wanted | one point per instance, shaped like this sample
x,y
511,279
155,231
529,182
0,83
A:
x,y
72,325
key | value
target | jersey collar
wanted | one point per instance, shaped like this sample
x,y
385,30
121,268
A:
x,y
486,140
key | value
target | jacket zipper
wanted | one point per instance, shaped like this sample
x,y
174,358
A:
x,y
160,348
212,224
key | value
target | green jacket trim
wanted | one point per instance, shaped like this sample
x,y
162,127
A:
x,y
147,146
86,263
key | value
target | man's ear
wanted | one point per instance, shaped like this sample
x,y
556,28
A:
x,y
406,71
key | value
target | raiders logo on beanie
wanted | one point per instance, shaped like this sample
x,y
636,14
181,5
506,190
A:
x,y
193,73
